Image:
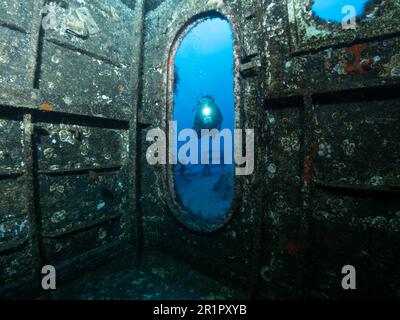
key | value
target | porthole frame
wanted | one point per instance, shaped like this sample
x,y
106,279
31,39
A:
x,y
332,26
309,33
177,209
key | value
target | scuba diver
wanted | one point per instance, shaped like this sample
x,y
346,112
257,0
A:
x,y
207,116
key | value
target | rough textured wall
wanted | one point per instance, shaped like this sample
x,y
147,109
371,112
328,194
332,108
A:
x,y
323,102
68,108
331,101
231,253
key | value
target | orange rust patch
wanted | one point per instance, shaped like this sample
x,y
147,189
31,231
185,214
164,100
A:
x,y
308,163
306,176
307,169
358,67
46,107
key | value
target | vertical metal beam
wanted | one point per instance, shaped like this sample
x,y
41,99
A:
x,y
133,220
29,191
250,117
36,44
309,153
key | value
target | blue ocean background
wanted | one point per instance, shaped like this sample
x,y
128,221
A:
x,y
204,66
331,10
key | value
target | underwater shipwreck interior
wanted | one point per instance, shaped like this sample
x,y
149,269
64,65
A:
x,y
84,83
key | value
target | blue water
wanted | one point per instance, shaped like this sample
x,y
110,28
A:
x,y
204,64
331,10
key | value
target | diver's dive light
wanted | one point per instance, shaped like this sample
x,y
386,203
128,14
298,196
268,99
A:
x,y
206,111
207,114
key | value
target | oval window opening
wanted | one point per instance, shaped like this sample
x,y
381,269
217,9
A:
x,y
204,115
335,11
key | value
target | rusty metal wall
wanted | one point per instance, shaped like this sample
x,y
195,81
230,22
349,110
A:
x,y
324,104
75,108
230,254
68,100
331,177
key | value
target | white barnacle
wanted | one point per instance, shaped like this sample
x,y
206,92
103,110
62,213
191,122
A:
x,y
377,181
101,205
58,216
272,169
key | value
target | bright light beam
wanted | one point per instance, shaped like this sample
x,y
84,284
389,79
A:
x,y
206,111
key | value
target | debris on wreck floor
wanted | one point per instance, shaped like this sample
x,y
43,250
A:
x,y
160,277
